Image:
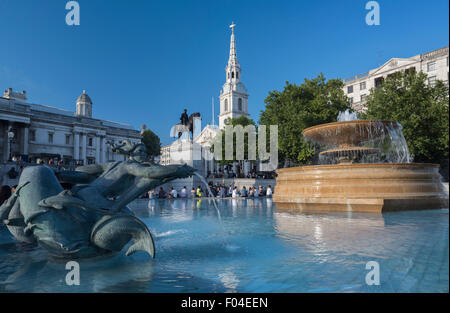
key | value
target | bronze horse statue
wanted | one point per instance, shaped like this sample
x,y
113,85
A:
x,y
179,129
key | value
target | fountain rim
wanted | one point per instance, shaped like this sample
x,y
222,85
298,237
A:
x,y
356,165
349,123
350,149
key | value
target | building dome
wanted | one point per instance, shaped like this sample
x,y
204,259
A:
x,y
84,105
84,98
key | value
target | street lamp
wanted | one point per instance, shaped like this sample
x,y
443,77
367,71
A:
x,y
10,137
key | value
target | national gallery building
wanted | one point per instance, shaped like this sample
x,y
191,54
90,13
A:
x,y
35,131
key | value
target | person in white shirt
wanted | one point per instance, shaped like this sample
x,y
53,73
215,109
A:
x,y
152,194
183,193
173,193
269,191
234,194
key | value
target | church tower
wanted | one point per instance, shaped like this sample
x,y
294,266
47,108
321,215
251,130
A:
x,y
233,96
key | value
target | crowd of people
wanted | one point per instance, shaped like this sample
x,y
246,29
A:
x,y
52,162
251,174
218,191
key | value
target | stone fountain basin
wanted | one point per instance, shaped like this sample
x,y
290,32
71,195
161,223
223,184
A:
x,y
378,187
348,133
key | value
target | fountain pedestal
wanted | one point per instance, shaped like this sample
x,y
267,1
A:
x,y
361,187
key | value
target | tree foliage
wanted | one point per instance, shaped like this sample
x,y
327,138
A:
x,y
152,143
421,109
242,121
314,102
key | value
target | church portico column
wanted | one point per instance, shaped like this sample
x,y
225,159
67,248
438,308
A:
x,y
211,164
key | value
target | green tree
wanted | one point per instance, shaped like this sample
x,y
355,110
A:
x,y
152,143
422,110
314,102
242,121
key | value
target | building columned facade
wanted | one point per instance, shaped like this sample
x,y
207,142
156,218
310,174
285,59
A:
x,y
44,133
233,96
433,63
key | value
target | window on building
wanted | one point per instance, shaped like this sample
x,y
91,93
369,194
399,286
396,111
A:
x,y
392,75
90,142
379,81
50,137
363,98
67,139
362,85
350,99
240,104
431,80
350,89
237,75
226,105
431,66
232,74
410,70
32,135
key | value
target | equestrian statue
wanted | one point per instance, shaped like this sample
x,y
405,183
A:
x,y
186,125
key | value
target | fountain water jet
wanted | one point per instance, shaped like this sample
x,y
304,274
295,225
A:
x,y
203,180
370,171
358,141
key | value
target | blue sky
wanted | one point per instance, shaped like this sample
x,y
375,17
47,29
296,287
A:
x,y
145,61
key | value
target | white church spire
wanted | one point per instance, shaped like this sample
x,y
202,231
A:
x,y
233,96
233,56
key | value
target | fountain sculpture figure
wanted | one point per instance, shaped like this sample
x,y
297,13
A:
x,y
91,219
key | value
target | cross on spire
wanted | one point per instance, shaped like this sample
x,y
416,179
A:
x,y
232,26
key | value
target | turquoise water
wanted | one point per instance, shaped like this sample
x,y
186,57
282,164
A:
x,y
256,248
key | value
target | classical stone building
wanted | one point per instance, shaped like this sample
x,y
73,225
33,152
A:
x,y
433,63
233,96
43,132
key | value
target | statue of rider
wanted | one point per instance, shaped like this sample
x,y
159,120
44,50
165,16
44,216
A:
x,y
184,118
